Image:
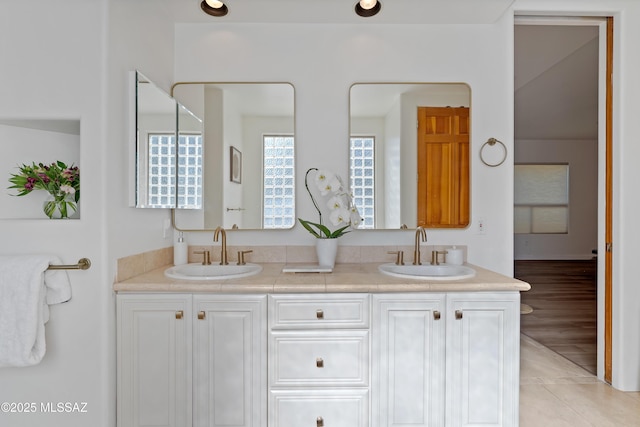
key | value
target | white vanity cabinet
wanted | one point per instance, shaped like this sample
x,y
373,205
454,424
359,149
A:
x,y
191,360
445,359
420,359
154,360
483,359
319,360
408,360
229,360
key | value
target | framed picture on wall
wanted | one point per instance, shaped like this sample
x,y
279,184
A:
x,y
235,165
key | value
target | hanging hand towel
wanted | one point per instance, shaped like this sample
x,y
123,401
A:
x,y
26,290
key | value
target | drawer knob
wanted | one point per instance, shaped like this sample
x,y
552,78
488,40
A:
x,y
201,315
179,314
436,315
319,422
319,314
319,362
458,314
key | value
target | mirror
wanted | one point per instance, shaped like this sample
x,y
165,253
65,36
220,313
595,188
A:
x,y
154,131
400,131
190,157
248,165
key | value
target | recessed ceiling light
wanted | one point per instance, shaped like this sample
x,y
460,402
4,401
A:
x,y
367,8
214,7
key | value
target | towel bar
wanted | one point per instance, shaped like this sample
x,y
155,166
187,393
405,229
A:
x,y
83,264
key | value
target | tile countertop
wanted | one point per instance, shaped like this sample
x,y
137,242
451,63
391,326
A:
x,y
345,278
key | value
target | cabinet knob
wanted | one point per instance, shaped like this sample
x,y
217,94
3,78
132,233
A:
x,y
319,422
458,314
179,314
319,314
201,315
319,362
436,315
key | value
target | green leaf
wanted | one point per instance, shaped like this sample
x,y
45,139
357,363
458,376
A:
x,y
339,232
307,225
322,232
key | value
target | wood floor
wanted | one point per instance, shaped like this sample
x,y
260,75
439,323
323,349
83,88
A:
x,y
564,302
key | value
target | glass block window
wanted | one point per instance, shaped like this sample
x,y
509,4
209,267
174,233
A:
x,y
162,170
541,198
362,178
278,182
163,174
190,159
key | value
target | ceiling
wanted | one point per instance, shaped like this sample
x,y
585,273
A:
x,y
556,82
555,70
342,11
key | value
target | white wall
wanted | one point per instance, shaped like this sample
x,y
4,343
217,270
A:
x,y
322,61
53,62
59,62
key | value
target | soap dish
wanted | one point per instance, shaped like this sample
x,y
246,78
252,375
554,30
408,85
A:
x,y
306,268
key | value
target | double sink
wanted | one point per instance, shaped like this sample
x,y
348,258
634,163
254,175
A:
x,y
199,271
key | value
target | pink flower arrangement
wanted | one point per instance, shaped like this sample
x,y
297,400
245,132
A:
x,y
62,182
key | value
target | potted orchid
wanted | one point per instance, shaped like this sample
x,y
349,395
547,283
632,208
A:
x,y
62,182
342,214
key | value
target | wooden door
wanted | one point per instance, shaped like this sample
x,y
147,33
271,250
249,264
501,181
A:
x,y
443,167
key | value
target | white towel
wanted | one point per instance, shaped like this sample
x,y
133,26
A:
x,y
26,290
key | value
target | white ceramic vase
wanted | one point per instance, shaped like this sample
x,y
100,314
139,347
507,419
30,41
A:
x,y
326,249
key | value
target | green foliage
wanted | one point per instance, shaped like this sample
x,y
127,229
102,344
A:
x,y
322,231
62,182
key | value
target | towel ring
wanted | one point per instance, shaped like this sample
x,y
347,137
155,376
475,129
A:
x,y
491,142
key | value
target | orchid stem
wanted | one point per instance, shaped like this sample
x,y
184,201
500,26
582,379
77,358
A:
x,y
306,184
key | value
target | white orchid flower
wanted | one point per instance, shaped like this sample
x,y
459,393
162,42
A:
x,y
336,202
327,182
355,217
339,216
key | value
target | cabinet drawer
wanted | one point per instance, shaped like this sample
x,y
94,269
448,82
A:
x,y
328,358
325,311
334,408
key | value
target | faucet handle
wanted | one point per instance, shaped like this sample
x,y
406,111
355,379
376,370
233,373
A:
x,y
241,254
434,257
206,259
399,256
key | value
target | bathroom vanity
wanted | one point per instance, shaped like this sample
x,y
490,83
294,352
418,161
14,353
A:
x,y
354,348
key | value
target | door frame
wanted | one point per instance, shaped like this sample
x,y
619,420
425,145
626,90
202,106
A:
x,y
605,176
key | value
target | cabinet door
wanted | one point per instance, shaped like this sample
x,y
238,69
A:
x,y
230,360
408,360
154,363
483,357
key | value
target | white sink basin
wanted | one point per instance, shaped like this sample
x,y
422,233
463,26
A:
x,y
428,271
198,271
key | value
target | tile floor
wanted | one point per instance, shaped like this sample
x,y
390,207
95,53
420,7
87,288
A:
x,y
555,392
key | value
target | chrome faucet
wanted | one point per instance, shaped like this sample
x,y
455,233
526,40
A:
x,y
223,251
420,233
